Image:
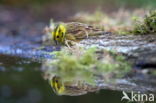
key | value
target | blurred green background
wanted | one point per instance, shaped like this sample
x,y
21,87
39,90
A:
x,y
108,3
60,9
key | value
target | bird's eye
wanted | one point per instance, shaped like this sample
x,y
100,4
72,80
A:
x,y
56,81
57,36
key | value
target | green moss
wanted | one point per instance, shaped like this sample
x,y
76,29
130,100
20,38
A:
x,y
147,25
87,65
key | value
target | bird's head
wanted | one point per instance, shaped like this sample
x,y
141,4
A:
x,y
59,34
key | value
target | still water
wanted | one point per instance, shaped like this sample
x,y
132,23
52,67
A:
x,y
21,81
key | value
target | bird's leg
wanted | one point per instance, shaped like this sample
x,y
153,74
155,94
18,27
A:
x,y
67,43
71,43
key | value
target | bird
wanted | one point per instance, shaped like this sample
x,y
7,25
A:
x,y
70,88
71,32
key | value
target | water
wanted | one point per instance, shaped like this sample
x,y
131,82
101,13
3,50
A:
x,y
21,81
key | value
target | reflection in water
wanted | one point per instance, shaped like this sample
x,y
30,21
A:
x,y
26,85
71,88
79,71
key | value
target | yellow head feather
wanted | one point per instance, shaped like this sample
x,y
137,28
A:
x,y
59,34
57,85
